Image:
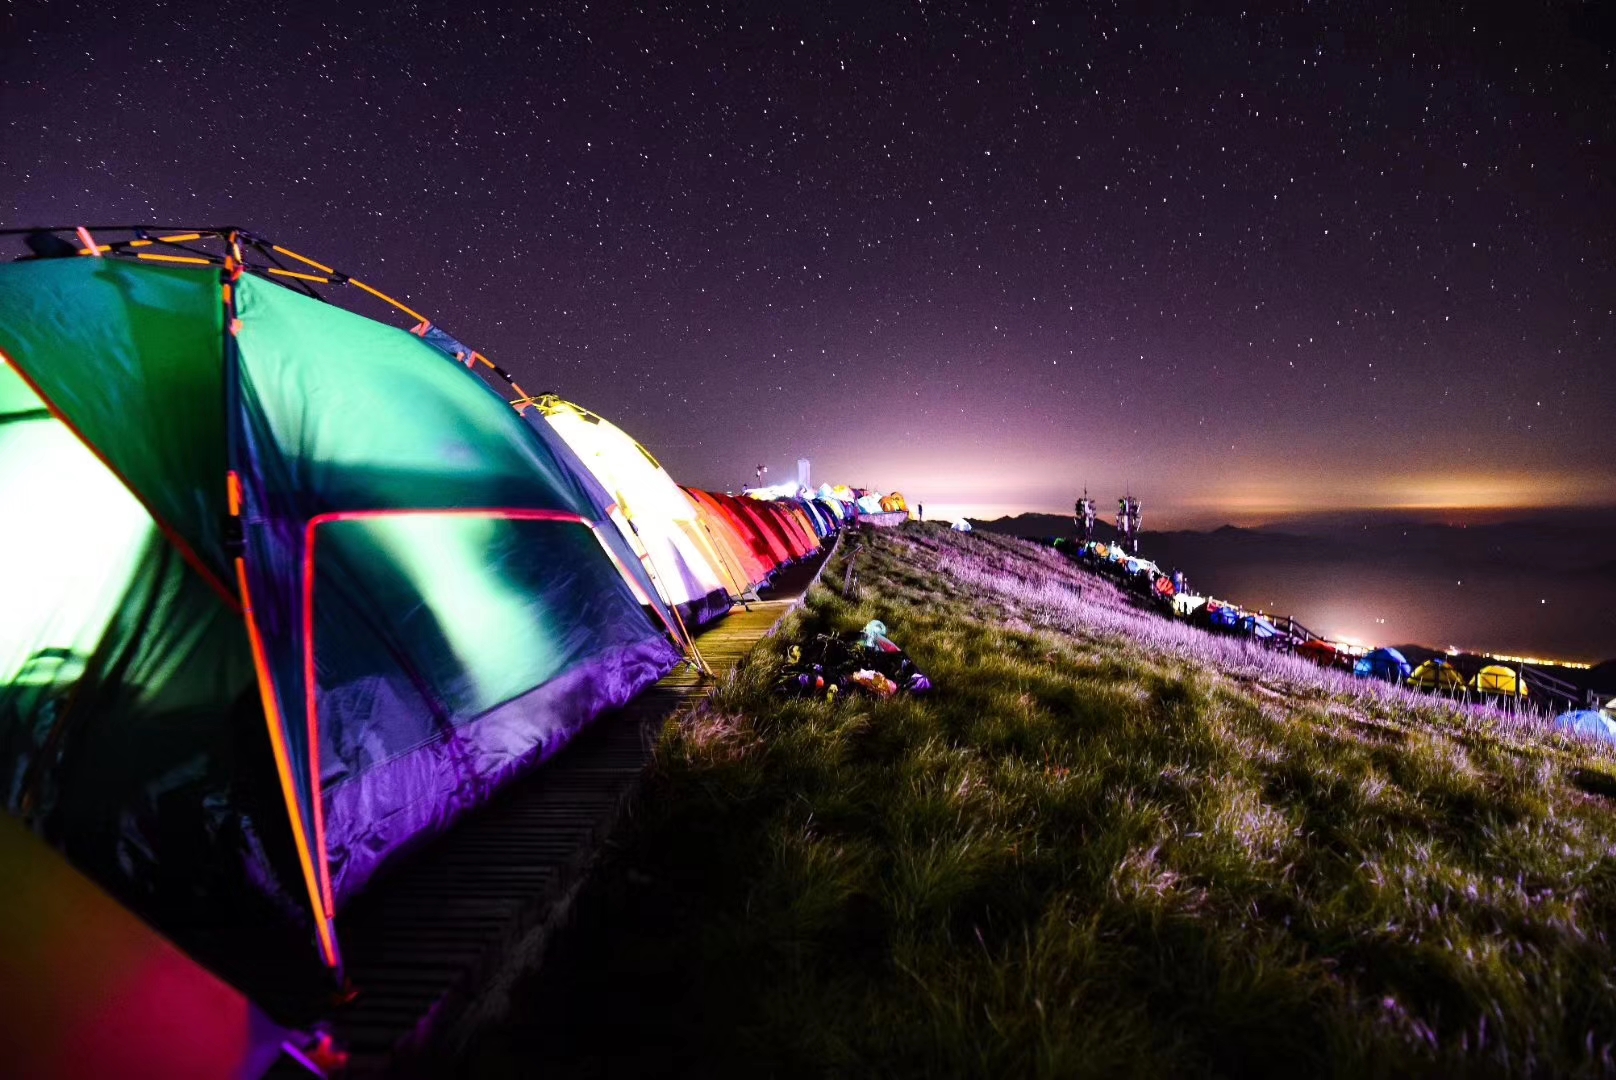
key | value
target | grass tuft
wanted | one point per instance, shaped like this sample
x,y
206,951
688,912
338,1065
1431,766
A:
x,y
1106,844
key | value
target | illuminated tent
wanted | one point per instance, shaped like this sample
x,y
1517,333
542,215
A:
x,y
828,513
1185,604
894,503
284,591
764,528
1436,675
1499,680
781,513
797,538
656,514
90,990
629,554
824,525
734,537
1387,665
1592,722
804,539
798,511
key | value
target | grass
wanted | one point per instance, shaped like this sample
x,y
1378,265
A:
x,y
1106,844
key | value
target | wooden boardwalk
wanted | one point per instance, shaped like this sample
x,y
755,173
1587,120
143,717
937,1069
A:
x,y
434,949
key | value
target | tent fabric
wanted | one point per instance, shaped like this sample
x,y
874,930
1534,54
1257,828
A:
x,y
1319,651
585,490
126,680
805,541
733,536
785,519
432,608
837,511
1498,679
659,514
489,626
92,991
767,535
157,339
799,530
1258,627
1592,722
818,518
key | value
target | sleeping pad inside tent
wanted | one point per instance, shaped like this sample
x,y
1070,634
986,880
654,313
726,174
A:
x,y
284,597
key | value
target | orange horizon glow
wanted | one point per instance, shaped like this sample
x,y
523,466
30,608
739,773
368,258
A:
x,y
1250,501
1432,491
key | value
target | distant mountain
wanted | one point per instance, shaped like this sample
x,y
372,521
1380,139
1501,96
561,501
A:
x,y
1539,587
1040,526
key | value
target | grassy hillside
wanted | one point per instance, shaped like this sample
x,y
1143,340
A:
x,y
1105,844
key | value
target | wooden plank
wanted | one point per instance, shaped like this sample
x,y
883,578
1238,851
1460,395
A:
x,y
479,902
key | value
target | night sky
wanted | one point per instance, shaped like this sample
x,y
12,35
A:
x,y
1246,266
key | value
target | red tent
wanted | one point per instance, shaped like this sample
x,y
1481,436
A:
x,y
736,534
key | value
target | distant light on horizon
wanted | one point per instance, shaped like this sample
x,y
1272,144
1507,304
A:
x,y
1252,504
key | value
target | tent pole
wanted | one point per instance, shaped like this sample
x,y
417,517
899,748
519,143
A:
x,y
688,640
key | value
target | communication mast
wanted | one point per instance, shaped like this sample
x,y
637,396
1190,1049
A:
x,y
1128,524
1084,518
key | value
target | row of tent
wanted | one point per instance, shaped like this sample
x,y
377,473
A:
x,y
1488,682
283,592
1441,675
840,499
1493,682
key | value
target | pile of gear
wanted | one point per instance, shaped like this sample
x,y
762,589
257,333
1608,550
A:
x,y
828,665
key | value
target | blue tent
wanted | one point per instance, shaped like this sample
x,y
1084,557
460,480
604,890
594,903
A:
x,y
1387,665
1587,722
823,525
1258,627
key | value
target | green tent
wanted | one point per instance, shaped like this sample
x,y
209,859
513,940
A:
x,y
285,592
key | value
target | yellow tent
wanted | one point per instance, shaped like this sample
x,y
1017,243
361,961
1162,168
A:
x,y
1436,675
1498,679
655,515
